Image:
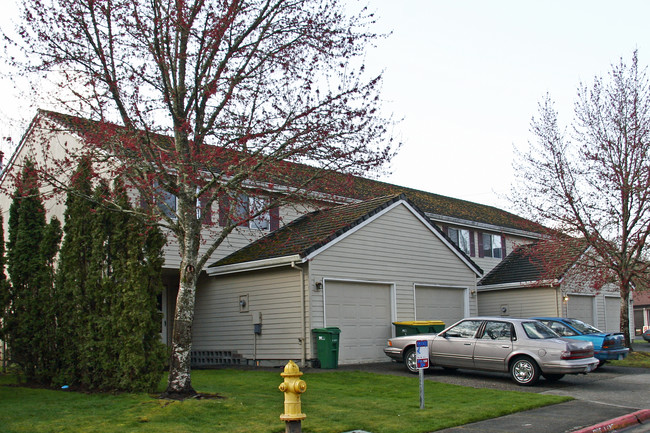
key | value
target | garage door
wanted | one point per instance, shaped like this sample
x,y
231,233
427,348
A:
x,y
435,303
612,314
362,311
581,308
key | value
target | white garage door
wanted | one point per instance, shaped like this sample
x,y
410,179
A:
x,y
581,308
362,312
612,314
436,303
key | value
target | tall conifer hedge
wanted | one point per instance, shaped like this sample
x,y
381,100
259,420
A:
x,y
29,316
94,322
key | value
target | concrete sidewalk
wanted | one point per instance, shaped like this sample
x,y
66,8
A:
x,y
572,416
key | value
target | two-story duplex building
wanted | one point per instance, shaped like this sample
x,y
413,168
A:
x,y
376,254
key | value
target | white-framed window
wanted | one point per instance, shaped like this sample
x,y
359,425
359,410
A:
x,y
492,246
243,207
460,237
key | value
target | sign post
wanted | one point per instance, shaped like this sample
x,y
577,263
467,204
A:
x,y
422,360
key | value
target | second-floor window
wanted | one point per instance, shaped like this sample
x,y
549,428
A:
x,y
244,207
166,202
491,246
461,238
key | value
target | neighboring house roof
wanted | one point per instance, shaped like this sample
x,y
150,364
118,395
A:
x,y
525,266
641,298
314,230
437,207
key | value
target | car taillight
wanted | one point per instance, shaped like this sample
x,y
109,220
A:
x,y
577,354
390,343
611,343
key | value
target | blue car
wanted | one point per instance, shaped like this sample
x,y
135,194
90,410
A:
x,y
607,346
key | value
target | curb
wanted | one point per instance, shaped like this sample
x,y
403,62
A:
x,y
637,417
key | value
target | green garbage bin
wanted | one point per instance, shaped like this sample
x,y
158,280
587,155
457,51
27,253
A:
x,y
418,327
327,346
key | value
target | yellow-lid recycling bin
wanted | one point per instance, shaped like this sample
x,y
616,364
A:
x,y
418,327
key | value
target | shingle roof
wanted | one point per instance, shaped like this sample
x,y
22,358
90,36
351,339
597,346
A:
x,y
309,232
520,266
437,204
356,187
312,231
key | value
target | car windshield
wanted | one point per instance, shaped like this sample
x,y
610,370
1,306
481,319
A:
x,y
537,330
583,327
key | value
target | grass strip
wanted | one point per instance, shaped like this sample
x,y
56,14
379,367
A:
x,y
334,402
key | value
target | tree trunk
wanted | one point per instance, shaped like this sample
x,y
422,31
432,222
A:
x,y
179,385
625,312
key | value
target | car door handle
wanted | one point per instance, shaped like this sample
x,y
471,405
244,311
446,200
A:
x,y
505,346
467,344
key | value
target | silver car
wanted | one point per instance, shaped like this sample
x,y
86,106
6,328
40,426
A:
x,y
523,347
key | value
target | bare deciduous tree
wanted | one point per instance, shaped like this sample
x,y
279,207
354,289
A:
x,y
210,99
592,181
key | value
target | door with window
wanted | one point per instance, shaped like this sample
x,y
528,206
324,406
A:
x,y
493,346
456,347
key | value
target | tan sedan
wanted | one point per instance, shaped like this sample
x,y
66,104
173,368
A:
x,y
524,348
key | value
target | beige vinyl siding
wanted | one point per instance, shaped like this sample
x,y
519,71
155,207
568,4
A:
x,y
219,324
58,144
520,302
396,248
239,238
487,263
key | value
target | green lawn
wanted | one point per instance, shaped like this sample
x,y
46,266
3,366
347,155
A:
x,y
634,359
336,401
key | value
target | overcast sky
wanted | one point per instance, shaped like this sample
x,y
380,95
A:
x,y
466,77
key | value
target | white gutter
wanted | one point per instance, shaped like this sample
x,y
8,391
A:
x,y
482,226
303,308
255,265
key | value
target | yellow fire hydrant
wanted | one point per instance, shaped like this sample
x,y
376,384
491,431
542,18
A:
x,y
292,387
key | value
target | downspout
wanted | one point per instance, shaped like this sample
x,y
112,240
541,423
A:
x,y
303,339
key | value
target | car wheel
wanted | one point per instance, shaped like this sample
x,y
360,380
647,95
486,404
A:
x,y
524,371
410,360
553,377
